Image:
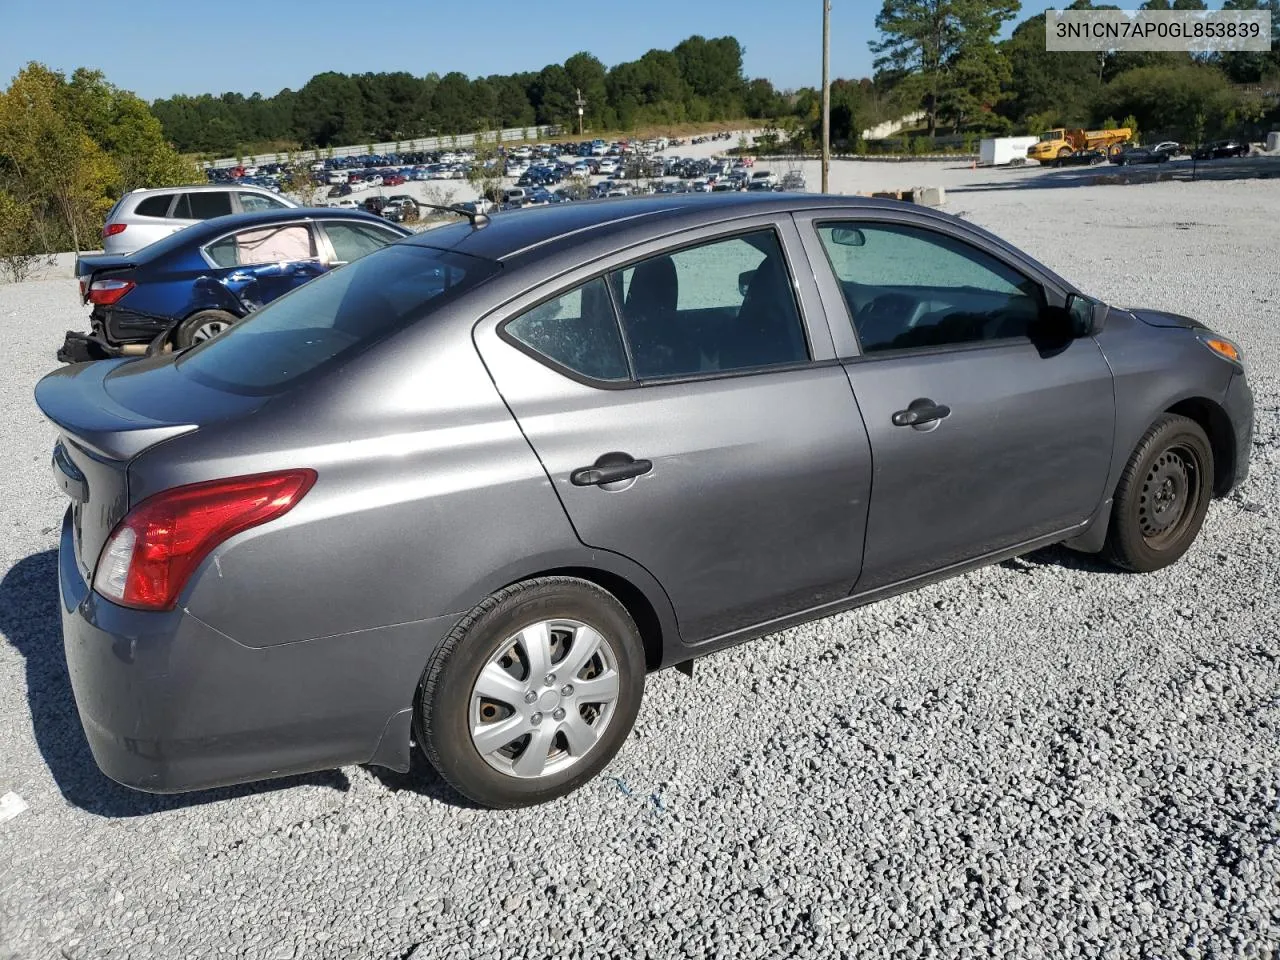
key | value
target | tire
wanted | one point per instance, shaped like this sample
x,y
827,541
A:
x,y
203,325
1162,497
456,721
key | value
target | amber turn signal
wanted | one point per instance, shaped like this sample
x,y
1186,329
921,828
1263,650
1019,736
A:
x,y
1224,348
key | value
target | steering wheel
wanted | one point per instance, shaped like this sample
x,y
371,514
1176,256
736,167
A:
x,y
884,318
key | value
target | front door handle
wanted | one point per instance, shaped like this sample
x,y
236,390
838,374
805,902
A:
x,y
920,412
610,468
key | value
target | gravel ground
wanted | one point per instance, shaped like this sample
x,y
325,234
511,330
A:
x,y
1040,759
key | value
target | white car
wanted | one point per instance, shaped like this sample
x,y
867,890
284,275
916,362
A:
x,y
375,180
607,166
144,216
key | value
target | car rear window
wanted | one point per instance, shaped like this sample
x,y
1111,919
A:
x,y
156,206
332,318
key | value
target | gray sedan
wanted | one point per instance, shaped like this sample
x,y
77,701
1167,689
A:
x,y
468,490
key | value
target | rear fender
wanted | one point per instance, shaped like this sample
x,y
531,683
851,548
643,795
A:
x,y
221,293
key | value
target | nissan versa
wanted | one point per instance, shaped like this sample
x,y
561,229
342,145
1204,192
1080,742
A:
x,y
467,490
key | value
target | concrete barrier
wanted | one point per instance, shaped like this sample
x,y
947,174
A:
x,y
929,196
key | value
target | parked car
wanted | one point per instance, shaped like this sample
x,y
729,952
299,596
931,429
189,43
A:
x,y
1154,153
1218,149
199,281
400,210
467,490
793,181
145,216
339,190
1082,158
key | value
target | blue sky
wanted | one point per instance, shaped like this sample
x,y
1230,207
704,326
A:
x,y
161,47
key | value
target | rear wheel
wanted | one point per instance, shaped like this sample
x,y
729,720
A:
x,y
1162,497
532,693
204,325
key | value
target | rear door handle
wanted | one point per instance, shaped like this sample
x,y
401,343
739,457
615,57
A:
x,y
920,412
610,468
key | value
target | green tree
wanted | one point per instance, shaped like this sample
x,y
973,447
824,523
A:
x,y
587,74
330,111
1165,101
1254,66
934,48
1040,80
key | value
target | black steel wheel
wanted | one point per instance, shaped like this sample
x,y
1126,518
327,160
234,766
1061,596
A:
x,y
1162,497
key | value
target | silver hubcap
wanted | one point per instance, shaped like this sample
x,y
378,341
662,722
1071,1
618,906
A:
x,y
544,699
207,331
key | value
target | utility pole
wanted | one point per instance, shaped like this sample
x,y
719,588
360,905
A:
x,y
826,94
581,103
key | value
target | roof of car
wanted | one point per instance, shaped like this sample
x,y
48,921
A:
x,y
201,187
513,233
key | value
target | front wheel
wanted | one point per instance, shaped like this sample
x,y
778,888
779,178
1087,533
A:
x,y
1162,497
532,693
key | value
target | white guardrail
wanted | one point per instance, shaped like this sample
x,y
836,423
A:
x,y
395,146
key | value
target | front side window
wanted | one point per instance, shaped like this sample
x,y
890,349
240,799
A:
x,y
351,241
909,287
720,306
282,244
577,330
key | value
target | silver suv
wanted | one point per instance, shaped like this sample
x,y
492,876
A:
x,y
145,216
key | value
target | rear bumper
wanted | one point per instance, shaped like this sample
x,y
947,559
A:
x,y
1239,406
81,347
170,704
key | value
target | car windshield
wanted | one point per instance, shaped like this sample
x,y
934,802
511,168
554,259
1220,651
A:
x,y
332,318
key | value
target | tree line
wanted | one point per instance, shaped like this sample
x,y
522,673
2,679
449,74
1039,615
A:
x,y
943,57
699,80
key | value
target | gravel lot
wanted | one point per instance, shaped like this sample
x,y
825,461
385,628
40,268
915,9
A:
x,y
1041,759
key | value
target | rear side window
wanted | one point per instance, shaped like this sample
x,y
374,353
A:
x,y
157,206
333,317
720,306
206,204
254,202
182,209
577,330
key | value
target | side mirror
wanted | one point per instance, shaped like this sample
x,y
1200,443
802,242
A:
x,y
848,236
1087,315
744,281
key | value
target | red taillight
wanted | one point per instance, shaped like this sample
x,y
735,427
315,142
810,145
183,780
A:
x,y
153,551
111,229
107,292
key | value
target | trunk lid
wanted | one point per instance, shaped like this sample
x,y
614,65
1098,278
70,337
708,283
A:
x,y
107,413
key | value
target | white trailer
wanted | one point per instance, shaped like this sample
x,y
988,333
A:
x,y
1003,150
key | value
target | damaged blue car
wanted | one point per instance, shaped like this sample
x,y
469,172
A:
x,y
195,283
